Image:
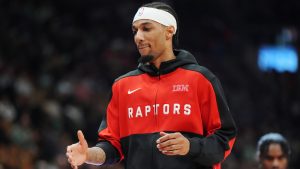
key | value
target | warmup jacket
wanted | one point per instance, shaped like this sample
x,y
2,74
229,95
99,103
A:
x,y
181,96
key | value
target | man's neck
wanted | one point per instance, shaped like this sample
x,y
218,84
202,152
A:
x,y
163,58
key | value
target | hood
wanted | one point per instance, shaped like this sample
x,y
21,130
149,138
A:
x,y
183,57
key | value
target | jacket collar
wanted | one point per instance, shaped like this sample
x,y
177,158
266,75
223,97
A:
x,y
183,57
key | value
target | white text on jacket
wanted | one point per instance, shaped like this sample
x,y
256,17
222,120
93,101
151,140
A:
x,y
165,109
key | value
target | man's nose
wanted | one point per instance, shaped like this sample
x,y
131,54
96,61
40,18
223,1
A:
x,y
139,36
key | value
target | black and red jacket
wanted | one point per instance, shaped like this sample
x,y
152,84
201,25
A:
x,y
181,96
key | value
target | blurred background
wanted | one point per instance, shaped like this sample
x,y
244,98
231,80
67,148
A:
x,y
58,59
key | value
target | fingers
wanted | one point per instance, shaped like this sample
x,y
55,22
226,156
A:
x,y
74,166
69,151
162,133
77,153
172,152
173,144
168,143
167,136
71,161
74,151
71,148
171,147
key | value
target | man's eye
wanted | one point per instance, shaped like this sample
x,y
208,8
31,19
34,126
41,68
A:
x,y
146,29
134,32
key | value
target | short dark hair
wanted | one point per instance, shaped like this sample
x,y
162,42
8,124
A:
x,y
167,8
272,138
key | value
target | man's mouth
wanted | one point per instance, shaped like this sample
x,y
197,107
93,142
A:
x,y
143,46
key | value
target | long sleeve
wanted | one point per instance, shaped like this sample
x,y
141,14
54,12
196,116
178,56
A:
x,y
219,127
109,133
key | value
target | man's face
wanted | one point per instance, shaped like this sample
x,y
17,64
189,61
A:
x,y
274,158
150,37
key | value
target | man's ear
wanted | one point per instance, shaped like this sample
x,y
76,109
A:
x,y
169,32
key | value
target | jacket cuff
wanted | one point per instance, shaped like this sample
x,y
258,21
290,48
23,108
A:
x,y
195,147
111,153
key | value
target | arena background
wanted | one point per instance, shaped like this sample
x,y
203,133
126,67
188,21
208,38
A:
x,y
58,59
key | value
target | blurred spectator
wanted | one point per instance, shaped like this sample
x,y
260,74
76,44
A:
x,y
273,151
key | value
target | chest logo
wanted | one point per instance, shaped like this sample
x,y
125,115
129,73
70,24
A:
x,y
180,88
132,91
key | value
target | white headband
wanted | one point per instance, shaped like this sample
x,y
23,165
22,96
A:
x,y
160,16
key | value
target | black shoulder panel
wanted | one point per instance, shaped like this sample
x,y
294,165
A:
x,y
131,73
203,70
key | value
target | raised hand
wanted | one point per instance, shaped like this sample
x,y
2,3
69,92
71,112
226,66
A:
x,y
77,153
173,144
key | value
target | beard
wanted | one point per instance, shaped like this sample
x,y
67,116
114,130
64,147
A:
x,y
146,59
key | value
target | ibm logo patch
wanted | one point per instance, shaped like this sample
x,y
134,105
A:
x,y
180,88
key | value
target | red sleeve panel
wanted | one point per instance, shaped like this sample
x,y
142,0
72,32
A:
x,y
110,129
218,125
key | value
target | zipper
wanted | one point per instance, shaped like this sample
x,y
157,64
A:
x,y
155,102
156,122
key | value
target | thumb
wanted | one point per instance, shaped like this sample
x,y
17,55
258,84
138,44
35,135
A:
x,y
81,138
